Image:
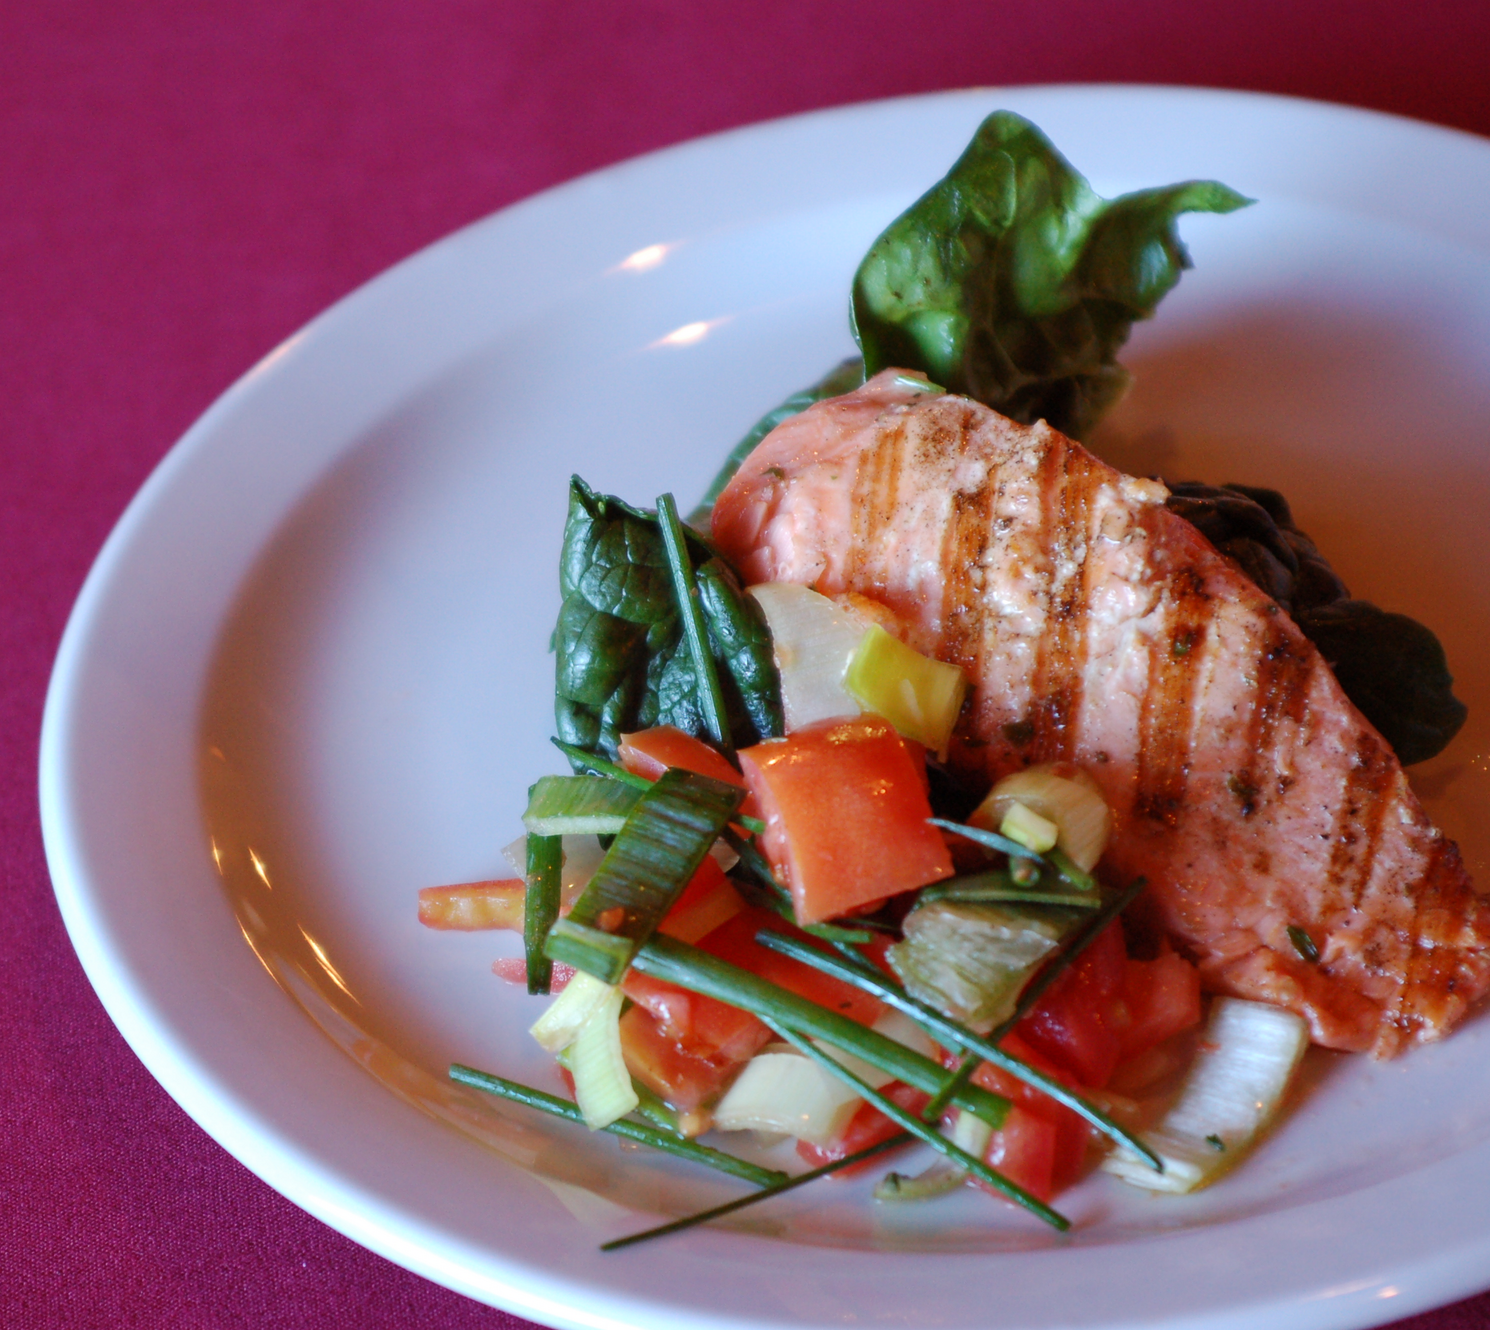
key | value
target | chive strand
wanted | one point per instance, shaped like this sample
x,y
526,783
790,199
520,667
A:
x,y
924,1132
754,1198
685,589
689,967
642,1133
1057,964
990,840
954,1034
601,767
545,863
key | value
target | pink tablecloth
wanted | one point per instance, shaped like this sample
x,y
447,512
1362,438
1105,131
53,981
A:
x,y
181,186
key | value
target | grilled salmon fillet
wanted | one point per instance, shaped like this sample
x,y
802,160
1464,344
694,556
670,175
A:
x,y
1098,627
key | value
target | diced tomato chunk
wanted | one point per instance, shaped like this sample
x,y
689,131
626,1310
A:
x,y
1080,1021
1024,1150
846,816
867,1127
651,752
1025,1144
706,902
735,942
681,1079
1163,998
700,1026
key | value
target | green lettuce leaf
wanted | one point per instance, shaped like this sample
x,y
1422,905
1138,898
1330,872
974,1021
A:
x,y
1011,281
621,661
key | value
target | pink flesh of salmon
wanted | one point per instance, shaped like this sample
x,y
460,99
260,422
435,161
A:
x,y
1098,627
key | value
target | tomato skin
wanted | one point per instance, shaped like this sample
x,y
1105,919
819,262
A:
x,y
1080,1021
685,1081
700,1026
1162,997
867,1127
1052,1156
845,810
651,752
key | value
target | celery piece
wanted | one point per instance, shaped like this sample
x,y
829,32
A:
x,y
1248,1055
970,961
646,868
578,805
919,696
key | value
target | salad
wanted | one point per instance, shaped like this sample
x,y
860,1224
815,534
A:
x,y
809,880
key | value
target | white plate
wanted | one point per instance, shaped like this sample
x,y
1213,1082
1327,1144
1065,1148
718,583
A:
x,y
308,675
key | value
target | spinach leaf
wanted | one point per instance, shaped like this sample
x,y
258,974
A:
x,y
1391,667
1011,281
1394,670
621,660
843,378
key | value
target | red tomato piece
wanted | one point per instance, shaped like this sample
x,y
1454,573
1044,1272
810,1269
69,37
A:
x,y
683,1080
700,1026
735,942
651,752
1069,1133
1163,998
845,812
867,1127
706,902
1024,1150
1080,1021
514,969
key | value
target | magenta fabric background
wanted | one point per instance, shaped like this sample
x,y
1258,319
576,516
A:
x,y
181,187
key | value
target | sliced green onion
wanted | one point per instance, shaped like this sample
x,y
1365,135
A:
x,y
602,1085
1071,871
1034,832
566,1015
646,868
928,1135
655,1111
695,630
578,806
688,967
781,1091
990,840
765,1194
631,1131
951,1033
1060,793
1303,944
545,865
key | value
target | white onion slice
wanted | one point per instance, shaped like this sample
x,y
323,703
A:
x,y
813,639
1060,793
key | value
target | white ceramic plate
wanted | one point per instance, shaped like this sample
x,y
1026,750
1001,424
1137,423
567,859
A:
x,y
309,675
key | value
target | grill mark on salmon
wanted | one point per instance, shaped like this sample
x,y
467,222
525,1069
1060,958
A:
x,y
1068,485
1097,626
1359,821
962,552
1166,720
875,495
